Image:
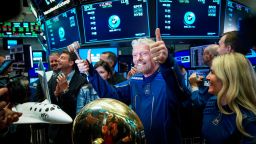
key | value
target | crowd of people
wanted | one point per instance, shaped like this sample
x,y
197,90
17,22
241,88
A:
x,y
153,63
153,89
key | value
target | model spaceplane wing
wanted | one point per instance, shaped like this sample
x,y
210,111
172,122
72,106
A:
x,y
41,112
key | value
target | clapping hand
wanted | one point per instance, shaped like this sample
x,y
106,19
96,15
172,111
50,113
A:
x,y
62,84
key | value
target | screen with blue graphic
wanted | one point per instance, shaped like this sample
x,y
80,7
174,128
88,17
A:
x,y
251,56
11,43
188,18
196,56
32,71
183,58
62,30
96,52
115,20
38,55
234,13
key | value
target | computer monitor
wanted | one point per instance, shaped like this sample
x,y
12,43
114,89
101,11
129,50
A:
x,y
251,56
19,29
196,56
32,71
188,19
47,7
183,58
234,13
96,52
11,43
38,55
25,29
115,20
62,30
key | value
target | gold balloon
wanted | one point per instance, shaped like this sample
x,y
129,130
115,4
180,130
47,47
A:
x,y
107,121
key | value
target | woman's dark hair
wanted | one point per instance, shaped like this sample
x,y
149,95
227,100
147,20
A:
x,y
104,65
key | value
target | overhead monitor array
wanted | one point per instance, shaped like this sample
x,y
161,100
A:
x,y
122,20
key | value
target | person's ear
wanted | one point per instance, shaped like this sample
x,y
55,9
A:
x,y
111,64
71,63
230,48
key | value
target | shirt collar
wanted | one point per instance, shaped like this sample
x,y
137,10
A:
x,y
70,75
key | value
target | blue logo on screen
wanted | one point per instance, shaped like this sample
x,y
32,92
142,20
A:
x,y
62,34
114,21
189,18
47,2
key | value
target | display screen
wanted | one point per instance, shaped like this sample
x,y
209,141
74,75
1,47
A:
x,y
96,52
11,43
115,20
234,13
251,56
62,30
183,58
19,29
38,55
188,18
32,71
48,6
5,29
196,56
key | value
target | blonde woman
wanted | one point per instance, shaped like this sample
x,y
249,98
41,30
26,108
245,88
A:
x,y
230,118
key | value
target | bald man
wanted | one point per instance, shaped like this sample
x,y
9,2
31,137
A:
x,y
209,53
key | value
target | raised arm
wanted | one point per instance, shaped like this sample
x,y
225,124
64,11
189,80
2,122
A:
x,y
168,66
102,87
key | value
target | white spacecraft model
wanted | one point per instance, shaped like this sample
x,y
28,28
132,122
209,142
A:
x,y
41,112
